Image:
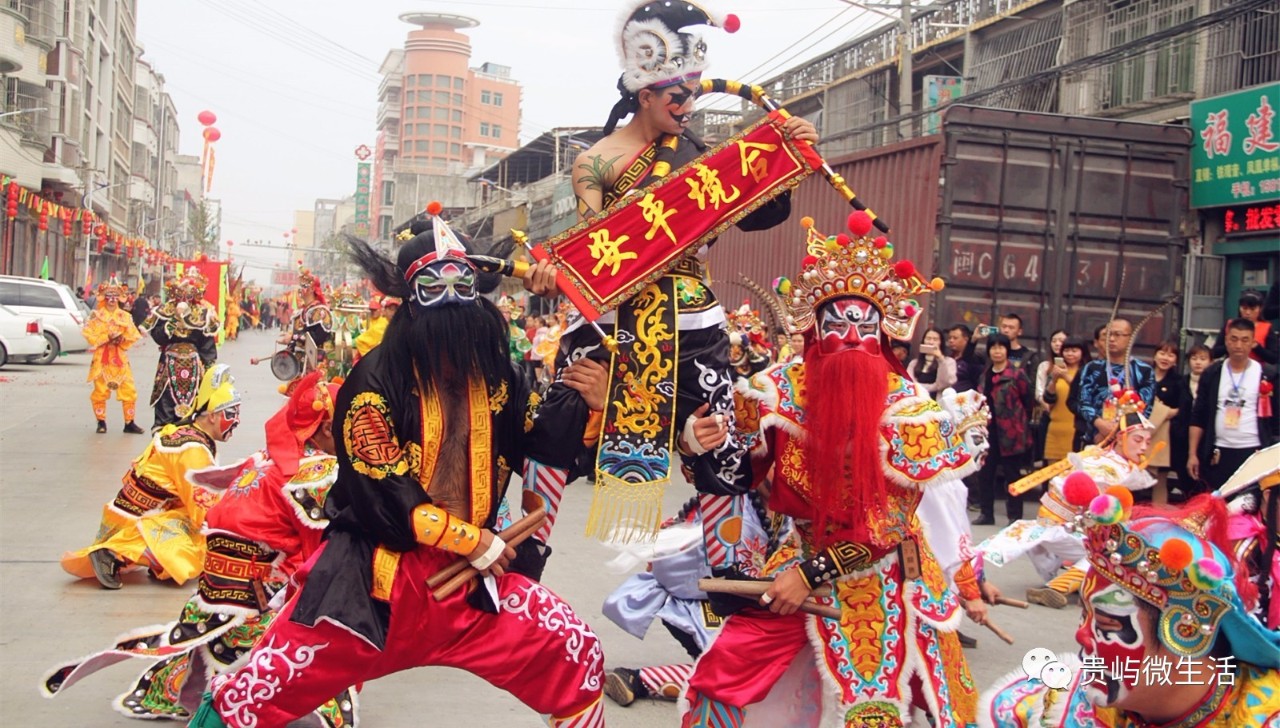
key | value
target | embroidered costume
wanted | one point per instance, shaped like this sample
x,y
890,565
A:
x,y
186,328
310,337
155,519
267,523
110,331
894,647
429,427
1163,589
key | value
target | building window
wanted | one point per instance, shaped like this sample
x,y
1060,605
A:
x,y
424,97
457,99
424,112
497,99
442,81
486,97
457,116
440,130
440,147
442,97
410,81
497,131
455,132
408,130
424,79
422,146
388,192
484,128
458,84
442,114
423,129
455,149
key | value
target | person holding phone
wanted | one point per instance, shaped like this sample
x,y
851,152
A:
x,y
1060,435
1045,395
933,370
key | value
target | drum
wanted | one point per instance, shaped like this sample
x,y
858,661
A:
x,y
285,366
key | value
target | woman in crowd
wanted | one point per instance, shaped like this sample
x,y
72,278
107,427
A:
x,y
1063,368
1163,410
1009,395
932,369
1198,359
1044,393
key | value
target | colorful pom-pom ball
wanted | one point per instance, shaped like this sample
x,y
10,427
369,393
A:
x,y
806,222
732,23
909,310
1122,494
859,223
937,284
1207,574
831,244
843,240
782,285
317,405
434,207
879,242
1115,389
1079,489
1106,509
904,269
808,262
1176,554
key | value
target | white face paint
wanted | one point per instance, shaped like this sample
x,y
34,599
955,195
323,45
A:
x,y
445,283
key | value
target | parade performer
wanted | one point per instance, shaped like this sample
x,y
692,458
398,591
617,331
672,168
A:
x,y
154,521
749,351
110,331
235,292
672,330
1165,635
348,312
310,328
381,310
430,426
668,590
1046,540
267,523
186,328
851,475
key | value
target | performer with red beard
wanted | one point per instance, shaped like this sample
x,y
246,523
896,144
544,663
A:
x,y
429,427
851,475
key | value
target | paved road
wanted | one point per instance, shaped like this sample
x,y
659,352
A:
x,y
56,474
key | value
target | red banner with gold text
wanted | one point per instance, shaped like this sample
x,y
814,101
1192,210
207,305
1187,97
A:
x,y
606,260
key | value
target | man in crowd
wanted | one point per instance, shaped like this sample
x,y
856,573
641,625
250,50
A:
x,y
841,473
1093,388
969,365
110,330
155,519
1166,638
1020,356
1266,347
430,425
1235,409
186,328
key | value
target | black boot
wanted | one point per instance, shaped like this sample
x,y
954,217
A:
x,y
623,686
102,427
106,568
132,429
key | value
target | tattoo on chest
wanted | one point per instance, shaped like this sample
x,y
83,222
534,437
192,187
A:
x,y
595,172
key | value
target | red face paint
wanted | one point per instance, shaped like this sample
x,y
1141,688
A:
x,y
849,323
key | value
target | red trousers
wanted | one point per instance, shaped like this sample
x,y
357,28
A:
x,y
535,648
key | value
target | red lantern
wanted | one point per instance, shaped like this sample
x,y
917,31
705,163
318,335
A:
x,y
206,118
66,223
11,204
212,134
43,225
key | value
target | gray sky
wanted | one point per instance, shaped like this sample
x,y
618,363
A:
x,y
294,82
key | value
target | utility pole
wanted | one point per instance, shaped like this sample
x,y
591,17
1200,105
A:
x,y
904,71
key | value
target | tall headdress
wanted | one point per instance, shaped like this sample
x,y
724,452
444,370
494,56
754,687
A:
x,y
439,257
1177,561
655,50
112,287
311,282
193,284
217,390
855,265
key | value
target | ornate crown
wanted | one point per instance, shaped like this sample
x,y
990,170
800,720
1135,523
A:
x,y
1172,565
840,265
347,300
193,284
1126,407
744,318
307,279
968,410
112,287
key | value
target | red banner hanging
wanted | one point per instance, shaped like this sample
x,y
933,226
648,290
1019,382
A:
x,y
605,261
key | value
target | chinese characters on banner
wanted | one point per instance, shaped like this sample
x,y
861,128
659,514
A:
x,y
1235,154
363,175
1251,219
608,259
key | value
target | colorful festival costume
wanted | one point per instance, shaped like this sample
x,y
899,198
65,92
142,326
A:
x,y
111,333
895,647
349,314
267,523
155,519
311,327
421,470
1168,579
186,328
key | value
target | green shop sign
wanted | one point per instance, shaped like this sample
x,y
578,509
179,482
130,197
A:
x,y
1235,157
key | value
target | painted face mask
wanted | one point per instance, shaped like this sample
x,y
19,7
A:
x,y
445,283
849,323
227,420
1111,630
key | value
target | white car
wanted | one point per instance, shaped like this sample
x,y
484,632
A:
x,y
61,314
21,336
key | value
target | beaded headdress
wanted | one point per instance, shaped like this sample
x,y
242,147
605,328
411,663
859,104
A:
x,y
112,287
858,265
652,47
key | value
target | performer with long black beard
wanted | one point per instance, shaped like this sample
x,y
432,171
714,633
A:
x,y
429,427
850,473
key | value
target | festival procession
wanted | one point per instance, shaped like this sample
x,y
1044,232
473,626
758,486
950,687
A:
x,y
856,365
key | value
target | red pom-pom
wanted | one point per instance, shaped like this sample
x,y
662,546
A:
x,y
808,261
434,207
1079,489
880,242
842,240
1122,494
732,23
1176,554
904,269
859,223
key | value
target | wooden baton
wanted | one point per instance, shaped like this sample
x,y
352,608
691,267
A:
x,y
1006,601
448,580
756,588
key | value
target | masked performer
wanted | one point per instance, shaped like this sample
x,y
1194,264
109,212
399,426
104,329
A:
x,y
429,426
1047,541
154,521
1165,634
749,351
851,475
267,523
110,331
675,355
186,328
310,330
